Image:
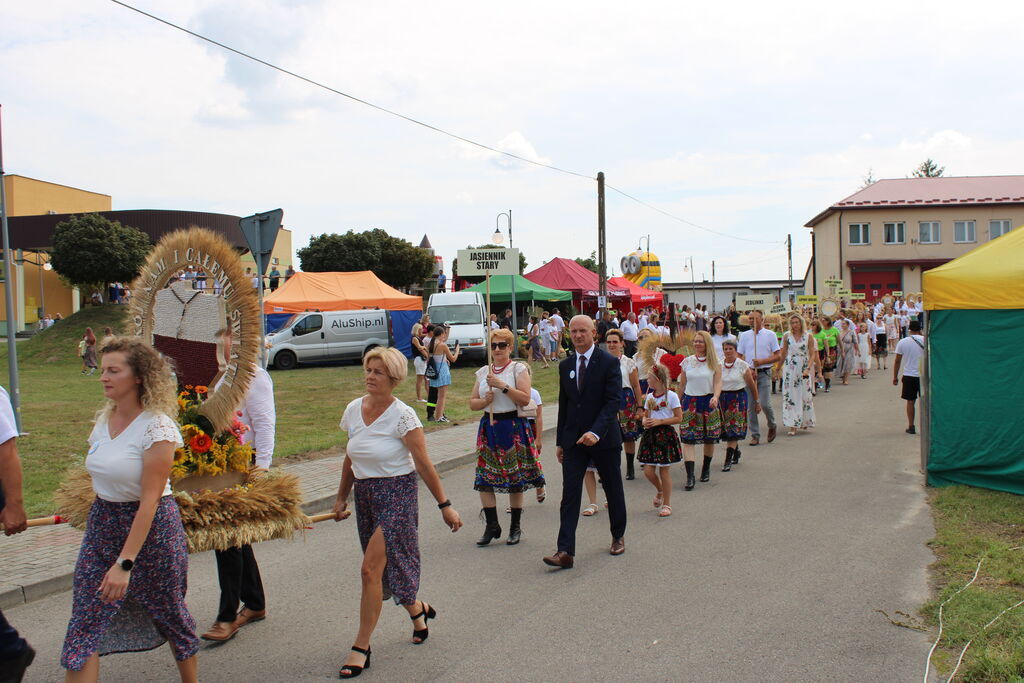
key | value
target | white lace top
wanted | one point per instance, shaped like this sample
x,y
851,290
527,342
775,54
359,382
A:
x,y
376,450
502,403
116,464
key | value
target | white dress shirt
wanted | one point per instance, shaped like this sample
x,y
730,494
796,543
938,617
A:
x,y
751,348
260,416
630,330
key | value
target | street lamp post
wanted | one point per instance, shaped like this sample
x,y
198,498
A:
x,y
693,283
498,238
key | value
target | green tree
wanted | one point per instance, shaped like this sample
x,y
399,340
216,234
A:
x,y
869,179
394,260
455,262
929,169
590,263
90,250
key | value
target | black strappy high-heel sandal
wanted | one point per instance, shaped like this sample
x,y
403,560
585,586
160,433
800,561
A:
x,y
428,613
354,670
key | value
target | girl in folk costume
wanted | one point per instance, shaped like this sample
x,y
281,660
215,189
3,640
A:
x,y
506,454
700,387
863,351
629,410
659,446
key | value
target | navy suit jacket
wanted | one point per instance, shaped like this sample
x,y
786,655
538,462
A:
x,y
595,408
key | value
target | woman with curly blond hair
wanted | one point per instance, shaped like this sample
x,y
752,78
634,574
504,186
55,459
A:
x,y
131,575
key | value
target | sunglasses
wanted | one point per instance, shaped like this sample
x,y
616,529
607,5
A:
x,y
499,345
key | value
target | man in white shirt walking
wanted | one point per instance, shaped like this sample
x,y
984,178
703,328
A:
x,y
557,326
237,570
630,333
760,348
909,352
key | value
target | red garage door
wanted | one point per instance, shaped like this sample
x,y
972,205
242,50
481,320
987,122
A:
x,y
876,283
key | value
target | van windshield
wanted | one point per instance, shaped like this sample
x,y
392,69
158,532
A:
x,y
459,314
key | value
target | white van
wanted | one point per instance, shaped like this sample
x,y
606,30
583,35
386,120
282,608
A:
x,y
317,336
464,311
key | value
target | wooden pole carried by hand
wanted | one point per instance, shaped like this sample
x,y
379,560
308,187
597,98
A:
x,y
490,362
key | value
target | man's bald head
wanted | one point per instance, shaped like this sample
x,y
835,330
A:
x,y
583,331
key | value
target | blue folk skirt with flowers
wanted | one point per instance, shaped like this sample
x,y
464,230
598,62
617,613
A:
x,y
630,416
506,455
733,405
153,610
391,505
700,423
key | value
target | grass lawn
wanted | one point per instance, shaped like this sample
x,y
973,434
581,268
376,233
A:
x,y
58,403
973,523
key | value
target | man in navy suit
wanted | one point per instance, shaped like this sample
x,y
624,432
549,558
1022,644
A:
x,y
589,394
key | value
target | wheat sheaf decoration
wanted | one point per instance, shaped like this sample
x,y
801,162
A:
x,y
182,322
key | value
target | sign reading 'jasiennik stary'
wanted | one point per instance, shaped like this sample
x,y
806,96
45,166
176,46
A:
x,y
496,261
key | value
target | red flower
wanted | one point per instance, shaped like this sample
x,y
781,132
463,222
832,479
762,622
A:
x,y
200,443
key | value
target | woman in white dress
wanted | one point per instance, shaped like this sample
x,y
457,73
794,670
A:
x,y
800,367
863,351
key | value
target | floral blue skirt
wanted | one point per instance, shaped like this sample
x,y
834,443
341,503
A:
x,y
391,504
153,610
733,405
506,456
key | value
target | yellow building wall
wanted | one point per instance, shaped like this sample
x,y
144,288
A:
x,y
31,197
280,256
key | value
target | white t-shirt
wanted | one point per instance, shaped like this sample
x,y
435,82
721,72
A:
x,y
8,428
700,379
630,330
116,464
557,321
751,348
626,365
659,412
376,450
734,378
544,327
495,325
911,348
641,321
535,395
717,340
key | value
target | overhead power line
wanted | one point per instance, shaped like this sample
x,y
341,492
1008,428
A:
x,y
422,124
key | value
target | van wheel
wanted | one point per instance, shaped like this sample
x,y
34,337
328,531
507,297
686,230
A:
x,y
368,349
285,360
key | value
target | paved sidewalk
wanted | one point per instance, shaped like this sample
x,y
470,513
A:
x,y
41,561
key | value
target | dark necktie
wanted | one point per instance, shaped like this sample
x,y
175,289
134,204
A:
x,y
581,373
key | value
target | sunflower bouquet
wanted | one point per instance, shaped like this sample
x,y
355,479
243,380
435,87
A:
x,y
206,452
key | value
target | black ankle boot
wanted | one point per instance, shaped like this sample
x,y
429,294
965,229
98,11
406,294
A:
x,y
828,383
705,471
514,530
492,529
728,459
690,481
736,455
629,466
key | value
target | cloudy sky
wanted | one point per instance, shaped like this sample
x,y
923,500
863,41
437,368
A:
x,y
743,118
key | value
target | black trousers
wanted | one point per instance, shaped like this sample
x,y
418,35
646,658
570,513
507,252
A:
x,y
240,580
575,461
630,349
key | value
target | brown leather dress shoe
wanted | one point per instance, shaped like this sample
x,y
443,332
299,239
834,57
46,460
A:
x,y
221,631
618,546
248,616
561,559
771,434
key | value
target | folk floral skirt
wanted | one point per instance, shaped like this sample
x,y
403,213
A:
x,y
630,416
659,446
153,610
733,406
700,423
391,504
506,456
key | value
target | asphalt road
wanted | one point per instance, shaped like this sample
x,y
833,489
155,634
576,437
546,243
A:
x,y
771,572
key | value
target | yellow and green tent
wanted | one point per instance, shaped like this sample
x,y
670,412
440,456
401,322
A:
x,y
974,382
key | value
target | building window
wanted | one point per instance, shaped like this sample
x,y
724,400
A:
x,y
895,233
963,231
860,233
997,228
930,232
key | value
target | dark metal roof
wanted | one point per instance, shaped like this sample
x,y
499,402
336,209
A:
x,y
36,232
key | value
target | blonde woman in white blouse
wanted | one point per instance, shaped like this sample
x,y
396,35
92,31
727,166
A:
x,y
133,564
386,449
700,386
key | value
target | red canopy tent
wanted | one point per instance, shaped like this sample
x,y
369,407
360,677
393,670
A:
x,y
639,296
567,275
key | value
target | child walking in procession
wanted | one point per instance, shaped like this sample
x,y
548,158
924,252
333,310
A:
x,y
660,447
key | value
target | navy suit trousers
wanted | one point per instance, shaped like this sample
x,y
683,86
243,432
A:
x,y
574,466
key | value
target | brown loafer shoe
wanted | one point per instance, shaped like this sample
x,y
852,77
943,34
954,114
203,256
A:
x,y
561,559
771,434
248,616
618,546
221,631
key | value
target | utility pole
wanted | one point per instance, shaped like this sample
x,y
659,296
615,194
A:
x,y
12,353
789,251
602,264
713,309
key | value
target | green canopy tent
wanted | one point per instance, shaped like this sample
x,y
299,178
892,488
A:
x,y
972,386
501,290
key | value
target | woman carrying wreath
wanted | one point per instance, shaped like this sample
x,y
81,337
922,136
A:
x,y
506,454
385,451
132,570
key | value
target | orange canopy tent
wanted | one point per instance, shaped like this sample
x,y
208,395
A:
x,y
338,292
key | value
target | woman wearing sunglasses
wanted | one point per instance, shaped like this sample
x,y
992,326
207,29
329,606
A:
x,y
506,454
